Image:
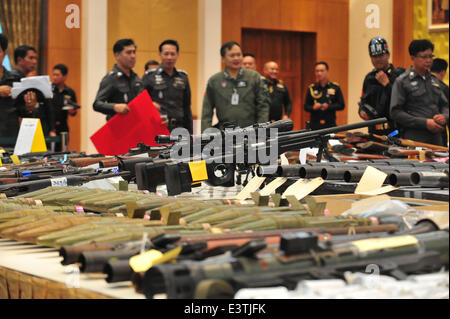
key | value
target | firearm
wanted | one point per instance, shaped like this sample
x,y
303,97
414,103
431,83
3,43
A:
x,y
300,257
221,167
397,151
360,137
68,180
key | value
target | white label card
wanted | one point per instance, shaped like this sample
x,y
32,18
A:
x,y
61,181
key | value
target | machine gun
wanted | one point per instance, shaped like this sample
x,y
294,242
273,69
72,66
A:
x,y
222,162
299,257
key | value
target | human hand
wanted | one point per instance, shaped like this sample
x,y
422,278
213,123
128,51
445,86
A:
x,y
434,127
121,108
382,78
364,116
324,106
52,133
284,117
5,91
316,106
158,107
439,119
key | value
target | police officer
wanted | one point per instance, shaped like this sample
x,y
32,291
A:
x,y
249,61
64,98
418,105
438,70
9,117
377,87
32,104
237,94
278,92
169,88
121,85
323,99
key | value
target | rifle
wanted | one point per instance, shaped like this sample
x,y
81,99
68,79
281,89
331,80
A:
x,y
175,173
300,257
392,140
68,180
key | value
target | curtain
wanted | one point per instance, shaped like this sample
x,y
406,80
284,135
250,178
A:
x,y
21,23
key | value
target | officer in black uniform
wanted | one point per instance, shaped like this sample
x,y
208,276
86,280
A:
x,y
278,92
169,88
438,70
418,105
323,99
9,117
121,85
377,87
32,103
64,99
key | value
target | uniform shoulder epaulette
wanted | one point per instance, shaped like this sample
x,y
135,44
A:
x,y
280,81
335,83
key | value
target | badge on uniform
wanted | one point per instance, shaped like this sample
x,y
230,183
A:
x,y
281,86
414,83
235,98
224,84
242,84
331,91
160,95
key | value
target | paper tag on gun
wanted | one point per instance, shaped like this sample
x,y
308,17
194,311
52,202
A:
x,y
372,181
302,187
61,181
251,187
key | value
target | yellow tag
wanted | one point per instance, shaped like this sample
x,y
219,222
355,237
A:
x,y
39,140
2,150
171,254
381,243
15,159
1,164
145,261
198,171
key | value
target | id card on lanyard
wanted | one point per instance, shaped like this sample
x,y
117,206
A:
x,y
235,98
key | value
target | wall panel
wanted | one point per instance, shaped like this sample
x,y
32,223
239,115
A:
x,y
327,18
64,46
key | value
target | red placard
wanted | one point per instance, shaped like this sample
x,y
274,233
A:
x,y
124,131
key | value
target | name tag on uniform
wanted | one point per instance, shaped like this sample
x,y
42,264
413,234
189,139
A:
x,y
331,91
242,84
235,98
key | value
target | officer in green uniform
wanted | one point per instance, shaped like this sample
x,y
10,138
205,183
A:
x,y
121,85
169,88
278,92
418,104
323,99
237,94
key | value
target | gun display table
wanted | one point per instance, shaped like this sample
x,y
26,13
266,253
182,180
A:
x,y
35,272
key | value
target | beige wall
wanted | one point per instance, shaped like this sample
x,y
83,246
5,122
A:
x,y
359,35
93,67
